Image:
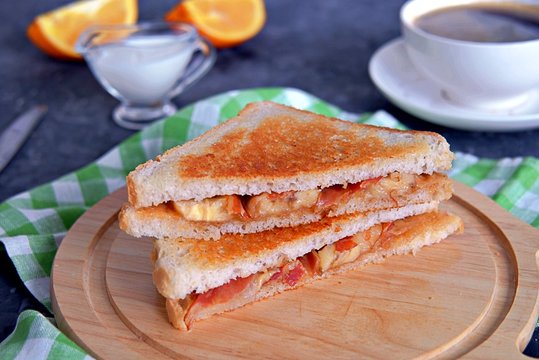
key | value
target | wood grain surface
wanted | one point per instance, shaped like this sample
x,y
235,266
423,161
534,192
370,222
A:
x,y
473,295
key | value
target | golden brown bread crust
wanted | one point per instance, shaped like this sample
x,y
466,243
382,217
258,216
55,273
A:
x,y
404,231
271,147
131,190
251,245
280,147
174,309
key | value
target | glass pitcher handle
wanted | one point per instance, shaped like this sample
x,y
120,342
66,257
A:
x,y
197,69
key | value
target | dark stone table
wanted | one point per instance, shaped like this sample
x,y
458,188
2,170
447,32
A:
x,y
322,47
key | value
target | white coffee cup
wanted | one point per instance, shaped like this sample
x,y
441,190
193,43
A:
x,y
489,76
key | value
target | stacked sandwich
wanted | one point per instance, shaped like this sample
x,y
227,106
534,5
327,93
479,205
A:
x,y
277,197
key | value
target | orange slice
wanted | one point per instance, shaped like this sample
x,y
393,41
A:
x,y
225,23
57,31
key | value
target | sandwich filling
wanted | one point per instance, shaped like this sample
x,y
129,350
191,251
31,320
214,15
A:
x,y
237,292
393,187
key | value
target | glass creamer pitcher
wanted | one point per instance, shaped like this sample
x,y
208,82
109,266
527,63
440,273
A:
x,y
145,66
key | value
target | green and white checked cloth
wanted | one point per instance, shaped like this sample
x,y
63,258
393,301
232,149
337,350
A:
x,y
32,224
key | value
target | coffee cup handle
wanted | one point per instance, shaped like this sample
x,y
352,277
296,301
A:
x,y
197,67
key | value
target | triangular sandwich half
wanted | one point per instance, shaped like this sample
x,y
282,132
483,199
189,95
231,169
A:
x,y
276,166
203,278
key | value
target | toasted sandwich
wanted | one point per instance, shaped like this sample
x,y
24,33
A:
x,y
274,166
203,278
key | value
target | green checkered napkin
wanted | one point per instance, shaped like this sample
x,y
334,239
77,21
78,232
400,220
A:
x,y
32,224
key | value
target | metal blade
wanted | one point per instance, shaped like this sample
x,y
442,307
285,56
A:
x,y
17,132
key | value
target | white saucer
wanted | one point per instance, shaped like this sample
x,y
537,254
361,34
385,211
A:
x,y
396,77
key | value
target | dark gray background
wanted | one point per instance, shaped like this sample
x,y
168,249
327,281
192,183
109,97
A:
x,y
322,47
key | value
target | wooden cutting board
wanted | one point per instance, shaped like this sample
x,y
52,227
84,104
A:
x,y
473,295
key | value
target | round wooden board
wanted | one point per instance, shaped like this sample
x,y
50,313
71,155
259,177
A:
x,y
472,295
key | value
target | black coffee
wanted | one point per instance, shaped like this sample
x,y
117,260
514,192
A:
x,y
483,22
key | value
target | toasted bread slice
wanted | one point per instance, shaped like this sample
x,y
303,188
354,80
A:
x,y
164,221
373,245
271,148
184,266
